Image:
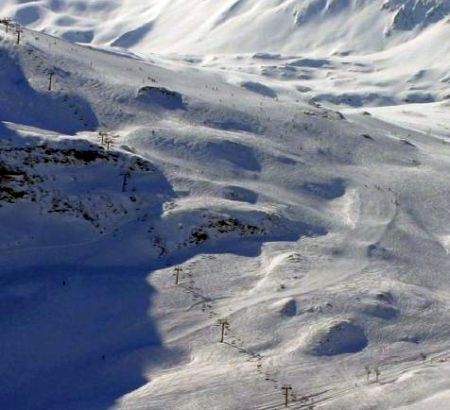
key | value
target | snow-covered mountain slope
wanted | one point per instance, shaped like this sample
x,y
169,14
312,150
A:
x,y
338,52
320,236
236,26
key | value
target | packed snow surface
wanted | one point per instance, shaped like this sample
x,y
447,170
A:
x,y
278,166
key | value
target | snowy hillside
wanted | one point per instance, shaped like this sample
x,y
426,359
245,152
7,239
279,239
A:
x,y
236,26
296,189
342,52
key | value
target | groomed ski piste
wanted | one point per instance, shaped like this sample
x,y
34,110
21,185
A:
x,y
253,191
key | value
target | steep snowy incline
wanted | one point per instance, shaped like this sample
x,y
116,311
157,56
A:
x,y
320,237
233,26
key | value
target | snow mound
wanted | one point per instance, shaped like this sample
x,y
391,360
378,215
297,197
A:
x,y
160,96
335,338
259,88
288,308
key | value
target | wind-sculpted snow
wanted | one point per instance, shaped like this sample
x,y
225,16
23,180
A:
x,y
147,202
336,338
232,26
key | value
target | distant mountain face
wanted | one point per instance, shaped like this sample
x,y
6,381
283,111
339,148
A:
x,y
231,26
412,13
407,13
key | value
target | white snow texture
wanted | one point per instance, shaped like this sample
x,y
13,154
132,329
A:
x,y
278,168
